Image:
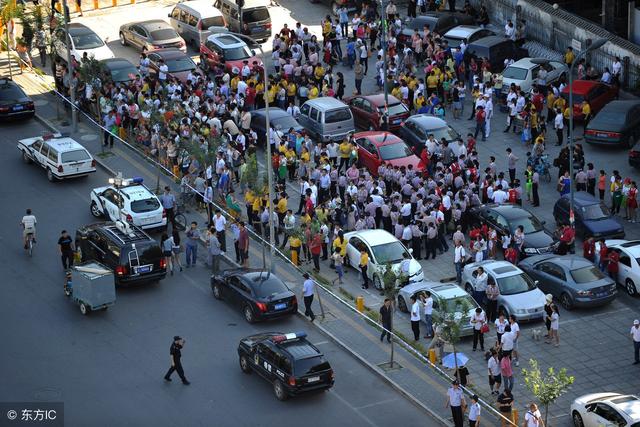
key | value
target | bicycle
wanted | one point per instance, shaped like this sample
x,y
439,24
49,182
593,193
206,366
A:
x,y
179,220
29,247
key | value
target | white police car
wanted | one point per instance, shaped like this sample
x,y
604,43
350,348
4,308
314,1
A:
x,y
129,200
62,157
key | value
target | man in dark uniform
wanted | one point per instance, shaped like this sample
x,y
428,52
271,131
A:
x,y
385,319
176,364
66,250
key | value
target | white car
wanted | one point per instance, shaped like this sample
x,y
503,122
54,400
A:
x,y
519,295
629,264
132,202
383,248
606,410
61,157
82,40
524,73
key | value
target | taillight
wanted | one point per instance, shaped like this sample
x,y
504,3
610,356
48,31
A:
x,y
163,263
164,213
60,169
590,132
261,306
292,381
182,43
93,163
4,109
268,25
30,104
129,218
121,270
634,153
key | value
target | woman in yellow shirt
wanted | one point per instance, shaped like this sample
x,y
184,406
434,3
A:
x,y
345,152
313,92
340,243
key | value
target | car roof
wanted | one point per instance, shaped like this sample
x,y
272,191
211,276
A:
x,y
442,290
274,112
64,144
629,404
582,198
6,83
326,102
571,261
378,99
581,86
527,63
226,40
201,6
489,41
499,268
379,138
114,61
299,349
620,106
75,28
137,192
631,246
153,24
428,120
509,211
373,237
462,31
169,53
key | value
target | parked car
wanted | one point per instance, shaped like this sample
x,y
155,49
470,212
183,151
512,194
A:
x,y
150,35
417,128
466,33
506,218
14,102
519,295
634,156
326,119
524,73
82,39
131,253
260,295
592,217
368,110
618,123
280,119
606,409
227,50
377,147
444,295
595,92
253,13
571,279
120,70
179,63
194,19
383,248
60,156
438,22
495,49
628,264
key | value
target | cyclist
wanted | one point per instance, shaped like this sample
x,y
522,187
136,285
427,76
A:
x,y
29,227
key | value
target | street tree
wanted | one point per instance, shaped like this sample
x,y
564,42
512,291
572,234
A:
x,y
390,280
546,387
449,319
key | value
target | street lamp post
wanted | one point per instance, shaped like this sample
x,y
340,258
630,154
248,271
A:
x,y
383,40
72,92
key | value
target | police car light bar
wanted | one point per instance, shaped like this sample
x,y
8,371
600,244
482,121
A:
x,y
288,337
137,180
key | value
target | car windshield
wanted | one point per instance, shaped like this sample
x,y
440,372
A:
x,y
453,42
418,24
515,73
266,285
10,93
180,64
515,284
577,99
214,21
395,151
447,133
595,212
285,122
310,365
460,304
529,223
75,156
123,73
87,41
339,115
394,109
237,53
587,274
164,34
255,15
144,205
389,253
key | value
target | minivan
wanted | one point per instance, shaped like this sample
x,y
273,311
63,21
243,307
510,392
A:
x,y
496,49
327,119
192,20
254,14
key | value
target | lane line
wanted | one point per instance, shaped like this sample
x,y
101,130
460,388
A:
x,y
382,402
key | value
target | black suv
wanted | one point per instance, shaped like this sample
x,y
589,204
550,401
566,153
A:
x,y
291,363
133,256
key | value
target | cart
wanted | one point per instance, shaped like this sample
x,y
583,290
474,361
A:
x,y
93,287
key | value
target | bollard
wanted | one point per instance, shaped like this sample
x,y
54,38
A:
x,y
360,303
114,3
58,7
432,356
133,1
77,8
294,257
96,4
514,416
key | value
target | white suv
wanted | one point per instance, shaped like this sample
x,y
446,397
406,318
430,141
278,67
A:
x,y
61,157
132,202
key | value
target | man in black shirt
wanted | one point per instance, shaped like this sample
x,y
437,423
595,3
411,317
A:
x,y
176,364
66,250
505,404
385,319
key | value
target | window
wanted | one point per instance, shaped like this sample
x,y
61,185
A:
x,y
283,363
356,243
164,34
305,110
315,115
395,151
36,146
75,156
175,14
337,116
625,260
145,205
356,102
501,221
311,365
217,4
366,106
587,274
255,15
191,20
554,271
267,285
53,155
214,21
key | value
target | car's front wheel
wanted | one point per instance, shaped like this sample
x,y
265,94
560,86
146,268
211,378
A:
x,y
244,364
630,287
577,419
402,305
50,176
377,283
216,291
123,40
95,210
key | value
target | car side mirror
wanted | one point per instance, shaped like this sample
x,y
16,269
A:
x,y
169,15
410,250
253,52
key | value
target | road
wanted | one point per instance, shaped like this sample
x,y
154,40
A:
x,y
107,368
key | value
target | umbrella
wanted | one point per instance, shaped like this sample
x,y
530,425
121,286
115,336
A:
x,y
449,361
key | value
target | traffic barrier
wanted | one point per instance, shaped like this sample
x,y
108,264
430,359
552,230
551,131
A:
x,y
432,356
360,303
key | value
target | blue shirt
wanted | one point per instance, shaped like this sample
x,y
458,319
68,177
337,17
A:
x,y
168,201
308,288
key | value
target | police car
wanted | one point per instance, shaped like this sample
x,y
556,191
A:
x,y
291,363
62,157
128,200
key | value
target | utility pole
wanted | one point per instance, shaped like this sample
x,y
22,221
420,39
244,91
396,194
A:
x,y
383,41
8,49
72,90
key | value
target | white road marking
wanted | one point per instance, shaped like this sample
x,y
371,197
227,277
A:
x,y
321,342
382,402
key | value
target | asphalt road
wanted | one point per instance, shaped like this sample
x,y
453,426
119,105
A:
x,y
107,368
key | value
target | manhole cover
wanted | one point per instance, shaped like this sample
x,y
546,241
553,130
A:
x,y
48,394
40,102
89,137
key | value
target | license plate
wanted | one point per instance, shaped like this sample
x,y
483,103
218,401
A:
x,y
313,379
601,294
18,107
143,269
280,306
602,135
397,121
150,220
256,29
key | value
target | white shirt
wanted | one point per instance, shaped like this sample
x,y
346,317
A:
x,y
635,332
474,412
507,341
500,326
533,418
406,233
459,254
558,122
219,222
29,222
481,282
428,306
478,320
515,329
494,366
162,72
499,197
554,321
415,312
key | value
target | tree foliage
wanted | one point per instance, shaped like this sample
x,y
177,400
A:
x,y
546,387
253,178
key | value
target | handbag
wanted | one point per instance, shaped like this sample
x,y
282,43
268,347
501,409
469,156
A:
x,y
484,328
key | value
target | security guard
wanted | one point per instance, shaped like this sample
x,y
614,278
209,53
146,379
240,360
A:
x,y
176,364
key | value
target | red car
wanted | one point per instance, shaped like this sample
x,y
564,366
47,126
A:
x,y
375,147
368,109
598,95
178,62
228,50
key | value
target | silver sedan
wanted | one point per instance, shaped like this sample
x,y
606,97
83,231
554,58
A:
x,y
151,35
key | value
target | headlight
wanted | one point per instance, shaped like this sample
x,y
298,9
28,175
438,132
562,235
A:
x,y
530,251
584,293
520,311
419,272
613,288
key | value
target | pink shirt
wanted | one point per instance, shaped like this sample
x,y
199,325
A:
x,y
505,367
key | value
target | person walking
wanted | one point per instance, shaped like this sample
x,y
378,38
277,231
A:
x,y
635,337
478,320
315,248
480,286
175,352
243,244
65,242
555,323
191,246
515,331
428,314
506,372
214,250
493,368
166,243
358,72
338,261
220,223
308,290
457,402
558,125
175,234
533,417
415,318
385,319
501,324
548,310
364,264
474,412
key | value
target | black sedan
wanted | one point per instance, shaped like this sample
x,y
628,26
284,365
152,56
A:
x,y
506,219
634,156
119,70
417,128
592,217
14,103
259,294
278,118
572,279
618,123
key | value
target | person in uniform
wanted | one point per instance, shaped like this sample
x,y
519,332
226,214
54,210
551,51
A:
x,y
176,365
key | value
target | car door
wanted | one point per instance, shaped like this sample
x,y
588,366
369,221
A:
x,y
561,211
557,69
602,414
369,116
354,246
34,151
551,278
52,160
154,60
99,246
233,290
141,37
110,200
367,154
263,359
356,109
624,267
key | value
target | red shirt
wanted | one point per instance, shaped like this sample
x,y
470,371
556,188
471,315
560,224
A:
x,y
588,249
316,244
603,252
568,234
513,195
613,262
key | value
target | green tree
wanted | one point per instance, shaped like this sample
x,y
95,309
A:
x,y
252,177
546,387
450,318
